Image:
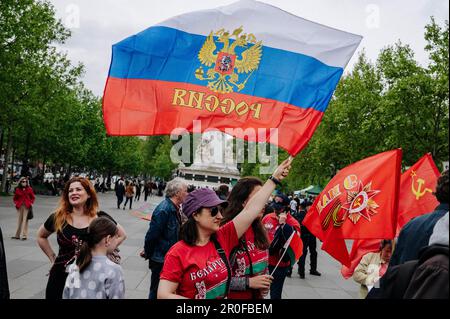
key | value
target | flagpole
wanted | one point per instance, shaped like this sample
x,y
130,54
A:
x,y
284,252
278,262
291,158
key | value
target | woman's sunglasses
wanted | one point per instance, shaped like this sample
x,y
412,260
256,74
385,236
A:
x,y
214,211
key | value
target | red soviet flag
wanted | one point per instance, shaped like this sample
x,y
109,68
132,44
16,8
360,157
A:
x,y
359,249
415,199
360,202
416,190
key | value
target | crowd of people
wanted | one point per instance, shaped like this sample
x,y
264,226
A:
x,y
132,189
203,243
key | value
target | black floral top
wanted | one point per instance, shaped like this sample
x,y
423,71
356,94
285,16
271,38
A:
x,y
68,241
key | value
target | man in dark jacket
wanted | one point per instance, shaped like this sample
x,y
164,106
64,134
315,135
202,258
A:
x,y
163,231
430,279
416,234
120,192
424,278
309,243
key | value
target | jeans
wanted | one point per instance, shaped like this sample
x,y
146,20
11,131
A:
x,y
276,288
154,280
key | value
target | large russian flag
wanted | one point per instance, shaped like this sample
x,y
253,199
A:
x,y
248,65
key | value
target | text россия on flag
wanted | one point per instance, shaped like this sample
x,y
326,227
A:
x,y
246,65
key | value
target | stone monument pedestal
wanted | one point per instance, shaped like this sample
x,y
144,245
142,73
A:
x,y
214,163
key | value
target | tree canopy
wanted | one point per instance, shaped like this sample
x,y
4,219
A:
x,y
47,115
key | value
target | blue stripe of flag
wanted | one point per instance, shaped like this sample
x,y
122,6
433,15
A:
x,y
167,54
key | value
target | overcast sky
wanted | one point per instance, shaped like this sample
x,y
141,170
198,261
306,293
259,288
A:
x,y
97,25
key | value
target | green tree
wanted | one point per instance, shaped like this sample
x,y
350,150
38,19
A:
x,y
28,61
161,165
392,103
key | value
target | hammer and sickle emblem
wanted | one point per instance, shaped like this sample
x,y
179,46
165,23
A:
x,y
357,202
418,192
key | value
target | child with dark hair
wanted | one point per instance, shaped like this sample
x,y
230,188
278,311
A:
x,y
93,275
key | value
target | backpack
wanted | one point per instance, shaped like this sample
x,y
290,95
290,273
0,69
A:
x,y
394,284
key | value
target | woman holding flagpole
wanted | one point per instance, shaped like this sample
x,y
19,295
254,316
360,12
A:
x,y
198,265
249,260
279,225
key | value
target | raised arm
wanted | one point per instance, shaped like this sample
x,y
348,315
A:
x,y
256,204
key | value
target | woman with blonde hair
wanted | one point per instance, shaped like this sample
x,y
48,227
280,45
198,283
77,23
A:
x,y
23,200
77,208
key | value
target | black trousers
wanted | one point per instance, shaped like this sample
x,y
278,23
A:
x,y
128,199
119,201
55,284
156,269
309,243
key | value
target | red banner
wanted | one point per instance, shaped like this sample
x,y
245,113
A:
x,y
360,202
415,199
416,190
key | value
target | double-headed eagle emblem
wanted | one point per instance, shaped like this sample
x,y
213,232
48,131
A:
x,y
225,66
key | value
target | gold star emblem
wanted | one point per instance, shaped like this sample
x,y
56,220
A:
x,y
360,203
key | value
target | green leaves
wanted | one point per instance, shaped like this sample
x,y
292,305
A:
x,y
392,103
52,116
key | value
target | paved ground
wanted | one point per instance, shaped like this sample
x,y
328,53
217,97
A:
x,y
28,266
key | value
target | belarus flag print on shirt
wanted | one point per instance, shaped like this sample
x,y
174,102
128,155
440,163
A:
x,y
199,270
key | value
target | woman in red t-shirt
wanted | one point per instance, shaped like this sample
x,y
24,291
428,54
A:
x,y
279,225
197,266
250,258
23,200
